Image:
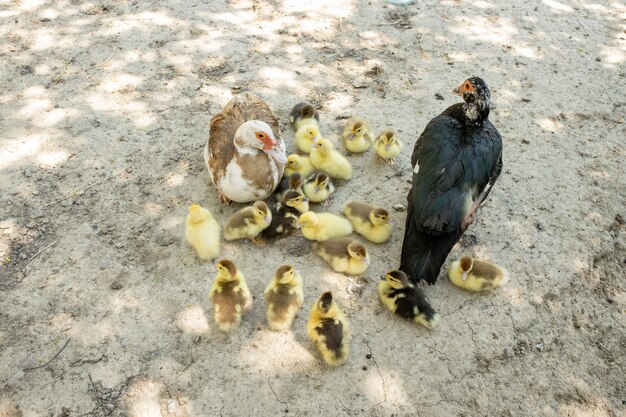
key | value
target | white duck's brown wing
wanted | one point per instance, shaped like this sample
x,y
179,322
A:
x,y
222,128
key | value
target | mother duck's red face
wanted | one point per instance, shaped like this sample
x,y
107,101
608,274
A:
x,y
268,141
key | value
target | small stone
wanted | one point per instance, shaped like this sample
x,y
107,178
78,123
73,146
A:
x,y
104,264
368,355
364,368
598,59
399,207
539,226
439,96
129,170
539,346
23,255
116,285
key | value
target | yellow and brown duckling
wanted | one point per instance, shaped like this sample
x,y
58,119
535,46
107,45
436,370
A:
x,y
475,274
292,182
344,255
300,164
388,146
307,136
285,215
283,297
303,114
248,222
202,232
323,226
230,295
328,329
318,188
406,300
325,158
369,221
357,135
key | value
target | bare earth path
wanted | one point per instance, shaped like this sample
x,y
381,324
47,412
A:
x,y
103,116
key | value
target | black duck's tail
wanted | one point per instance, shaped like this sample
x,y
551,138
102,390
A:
x,y
424,254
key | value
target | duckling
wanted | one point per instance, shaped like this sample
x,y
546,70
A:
x,y
303,113
357,135
328,329
404,299
388,146
230,295
202,232
283,297
292,182
370,222
318,188
344,255
306,136
475,274
285,215
325,158
300,164
323,226
248,222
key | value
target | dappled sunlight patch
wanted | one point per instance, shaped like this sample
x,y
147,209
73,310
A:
x,y
549,124
384,387
331,8
489,29
143,399
135,111
515,296
278,76
121,81
340,103
28,5
52,159
193,320
171,222
276,352
557,6
14,150
612,56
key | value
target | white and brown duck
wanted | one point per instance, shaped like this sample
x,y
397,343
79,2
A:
x,y
245,154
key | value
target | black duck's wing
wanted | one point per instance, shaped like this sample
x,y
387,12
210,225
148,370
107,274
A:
x,y
454,165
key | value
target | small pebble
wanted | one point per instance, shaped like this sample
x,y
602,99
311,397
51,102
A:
x,y
368,356
439,96
399,207
116,285
104,264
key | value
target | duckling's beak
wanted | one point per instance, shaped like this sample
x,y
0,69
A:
x,y
392,222
366,260
316,189
352,136
387,146
382,278
298,225
305,200
267,219
315,139
464,276
457,91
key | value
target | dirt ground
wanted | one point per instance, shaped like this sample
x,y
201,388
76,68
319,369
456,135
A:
x,y
104,109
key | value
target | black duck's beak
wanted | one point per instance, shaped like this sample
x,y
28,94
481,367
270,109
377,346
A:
x,y
456,91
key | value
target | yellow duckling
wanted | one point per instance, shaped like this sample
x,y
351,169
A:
x,y
306,136
230,295
248,222
328,329
344,255
300,164
323,226
283,297
325,158
302,114
285,215
475,274
318,188
357,135
404,299
202,232
388,146
368,221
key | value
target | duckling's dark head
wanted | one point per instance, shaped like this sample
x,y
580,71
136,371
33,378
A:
x,y
326,301
477,99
